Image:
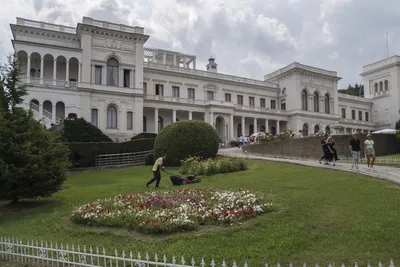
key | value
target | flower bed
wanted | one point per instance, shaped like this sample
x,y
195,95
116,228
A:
x,y
171,211
196,166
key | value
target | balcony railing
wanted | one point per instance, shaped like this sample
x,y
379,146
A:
x,y
49,82
45,25
209,74
357,122
112,26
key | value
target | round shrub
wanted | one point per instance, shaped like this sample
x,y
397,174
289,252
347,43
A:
x,y
149,159
183,139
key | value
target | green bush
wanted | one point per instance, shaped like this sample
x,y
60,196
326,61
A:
x,y
150,159
196,166
186,138
76,131
144,135
84,154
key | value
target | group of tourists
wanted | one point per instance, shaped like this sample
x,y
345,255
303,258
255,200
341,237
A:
x,y
330,153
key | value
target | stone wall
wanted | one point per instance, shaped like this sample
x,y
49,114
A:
x,y
385,144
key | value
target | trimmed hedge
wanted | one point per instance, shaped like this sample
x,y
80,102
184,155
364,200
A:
x,y
144,135
149,159
84,154
79,130
183,139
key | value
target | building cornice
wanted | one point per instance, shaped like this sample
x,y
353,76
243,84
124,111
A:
x,y
354,99
191,85
241,92
109,33
208,79
395,64
90,90
47,46
22,29
298,71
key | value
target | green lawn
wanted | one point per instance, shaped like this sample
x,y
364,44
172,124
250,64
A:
x,y
323,216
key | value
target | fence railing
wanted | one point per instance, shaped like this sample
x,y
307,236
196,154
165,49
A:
x,y
49,254
124,159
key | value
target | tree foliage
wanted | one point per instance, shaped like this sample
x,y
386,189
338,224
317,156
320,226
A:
x,y
183,139
80,130
33,160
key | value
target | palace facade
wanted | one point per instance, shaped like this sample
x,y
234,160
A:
x,y
103,72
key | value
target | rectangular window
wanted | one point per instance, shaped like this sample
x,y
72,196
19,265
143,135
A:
x,y
228,97
210,95
97,74
360,115
283,104
273,104
366,116
251,101
94,116
127,78
191,93
262,102
343,113
175,91
240,100
159,89
145,88
129,120
353,114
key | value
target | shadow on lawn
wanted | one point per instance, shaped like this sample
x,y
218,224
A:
x,y
8,208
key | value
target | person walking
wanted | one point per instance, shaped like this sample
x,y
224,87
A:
x,y
241,141
325,149
156,171
369,151
355,147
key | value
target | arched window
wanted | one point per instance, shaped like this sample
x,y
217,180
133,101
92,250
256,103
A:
x,y
144,124
376,87
327,104
316,129
239,129
305,130
386,85
327,129
316,102
160,123
112,72
251,129
112,117
380,86
304,101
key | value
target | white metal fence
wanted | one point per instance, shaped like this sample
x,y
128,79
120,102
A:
x,y
50,254
124,159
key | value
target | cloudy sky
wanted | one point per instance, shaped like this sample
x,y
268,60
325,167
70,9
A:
x,y
248,38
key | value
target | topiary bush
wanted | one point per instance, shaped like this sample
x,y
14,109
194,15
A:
x,y
144,135
80,130
149,159
183,139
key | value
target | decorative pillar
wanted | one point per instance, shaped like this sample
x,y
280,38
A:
x,y
131,78
322,105
243,126
55,72
173,115
79,72
212,119
266,126
67,71
53,114
156,120
120,77
232,135
184,62
28,67
190,115
174,60
103,74
41,69
278,131
255,125
165,58
194,64
40,111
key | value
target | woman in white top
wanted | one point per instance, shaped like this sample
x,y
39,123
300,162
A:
x,y
369,151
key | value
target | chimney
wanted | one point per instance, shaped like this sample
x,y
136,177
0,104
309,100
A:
x,y
212,66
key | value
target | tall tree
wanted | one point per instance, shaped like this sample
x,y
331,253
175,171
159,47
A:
x,y
33,160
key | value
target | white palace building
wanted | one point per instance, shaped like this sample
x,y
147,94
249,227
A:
x,y
102,72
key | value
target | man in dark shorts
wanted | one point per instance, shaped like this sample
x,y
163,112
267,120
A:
x,y
355,148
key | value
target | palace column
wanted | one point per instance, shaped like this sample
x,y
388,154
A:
x,y
28,70
231,134
53,114
55,72
41,69
255,125
156,120
243,126
278,131
67,71
173,115
266,126
190,115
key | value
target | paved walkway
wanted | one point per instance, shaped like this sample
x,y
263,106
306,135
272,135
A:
x,y
381,172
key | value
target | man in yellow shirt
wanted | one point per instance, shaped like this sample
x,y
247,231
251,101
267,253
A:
x,y
156,171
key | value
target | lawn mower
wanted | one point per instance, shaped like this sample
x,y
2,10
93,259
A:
x,y
181,180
